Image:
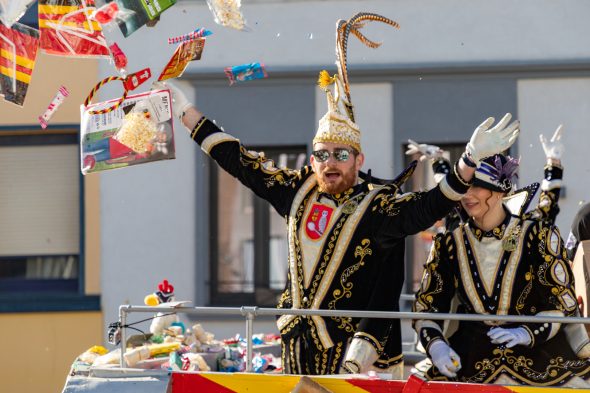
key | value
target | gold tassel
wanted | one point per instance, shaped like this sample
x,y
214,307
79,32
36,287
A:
x,y
325,80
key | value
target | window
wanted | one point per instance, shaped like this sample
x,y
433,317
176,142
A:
x,y
248,244
40,244
423,180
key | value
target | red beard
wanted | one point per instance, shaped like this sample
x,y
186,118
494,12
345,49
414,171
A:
x,y
345,181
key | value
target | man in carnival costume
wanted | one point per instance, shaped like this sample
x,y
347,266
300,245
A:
x,y
345,234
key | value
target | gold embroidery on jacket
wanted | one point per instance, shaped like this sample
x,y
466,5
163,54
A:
x,y
520,302
520,367
431,283
360,252
284,177
390,204
342,245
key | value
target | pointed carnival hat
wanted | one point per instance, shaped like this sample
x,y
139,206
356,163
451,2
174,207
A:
x,y
338,125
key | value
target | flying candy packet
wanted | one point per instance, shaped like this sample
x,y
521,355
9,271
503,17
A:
x,y
105,14
119,57
193,35
12,10
245,72
18,52
59,98
67,29
227,13
141,12
184,54
138,131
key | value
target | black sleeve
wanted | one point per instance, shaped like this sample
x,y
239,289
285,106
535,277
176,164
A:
x,y
276,185
410,213
548,208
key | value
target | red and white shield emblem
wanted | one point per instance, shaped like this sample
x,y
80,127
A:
x,y
318,220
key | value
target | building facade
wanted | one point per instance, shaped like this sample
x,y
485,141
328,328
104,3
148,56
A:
x,y
449,66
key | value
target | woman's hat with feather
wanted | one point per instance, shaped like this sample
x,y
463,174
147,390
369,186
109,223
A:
x,y
338,125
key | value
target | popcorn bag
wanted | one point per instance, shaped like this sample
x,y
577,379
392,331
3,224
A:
x,y
137,131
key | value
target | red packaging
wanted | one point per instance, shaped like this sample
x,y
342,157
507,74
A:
x,y
67,29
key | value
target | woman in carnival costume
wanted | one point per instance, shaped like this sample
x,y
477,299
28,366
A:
x,y
501,263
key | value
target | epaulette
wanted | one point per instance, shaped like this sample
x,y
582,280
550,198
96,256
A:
x,y
518,202
397,182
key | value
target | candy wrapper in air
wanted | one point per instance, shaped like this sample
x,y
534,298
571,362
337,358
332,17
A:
x,y
193,35
227,13
245,72
12,10
55,103
137,132
18,52
141,12
184,54
67,29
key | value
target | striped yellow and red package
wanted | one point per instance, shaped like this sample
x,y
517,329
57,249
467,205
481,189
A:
x,y
18,52
67,29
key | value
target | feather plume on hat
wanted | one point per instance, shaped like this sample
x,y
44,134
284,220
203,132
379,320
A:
x,y
338,126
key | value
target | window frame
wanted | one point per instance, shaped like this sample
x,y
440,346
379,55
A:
x,y
263,294
42,301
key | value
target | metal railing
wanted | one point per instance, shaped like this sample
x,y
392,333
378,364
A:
x,y
250,313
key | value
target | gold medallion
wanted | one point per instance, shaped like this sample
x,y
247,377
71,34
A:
x,y
509,243
349,207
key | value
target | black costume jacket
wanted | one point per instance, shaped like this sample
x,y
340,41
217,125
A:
x,y
530,275
358,238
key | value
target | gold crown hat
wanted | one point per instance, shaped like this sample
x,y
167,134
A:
x,y
338,126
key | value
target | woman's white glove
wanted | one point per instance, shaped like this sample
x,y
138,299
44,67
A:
x,y
553,148
179,101
510,337
426,151
486,141
444,358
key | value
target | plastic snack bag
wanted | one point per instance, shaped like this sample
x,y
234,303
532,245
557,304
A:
x,y
18,52
140,130
184,54
12,10
67,29
245,72
142,12
227,13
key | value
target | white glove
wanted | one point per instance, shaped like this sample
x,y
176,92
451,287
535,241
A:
x,y
554,148
444,358
427,151
510,337
486,142
179,101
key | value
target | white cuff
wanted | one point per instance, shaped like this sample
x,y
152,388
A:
x,y
360,356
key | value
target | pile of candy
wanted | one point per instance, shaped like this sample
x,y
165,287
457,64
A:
x,y
193,349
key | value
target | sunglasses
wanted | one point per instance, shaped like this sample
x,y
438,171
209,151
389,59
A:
x,y
340,155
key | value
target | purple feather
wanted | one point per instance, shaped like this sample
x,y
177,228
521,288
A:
x,y
508,170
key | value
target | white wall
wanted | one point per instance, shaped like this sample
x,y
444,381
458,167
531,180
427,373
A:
x,y
148,212
543,104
